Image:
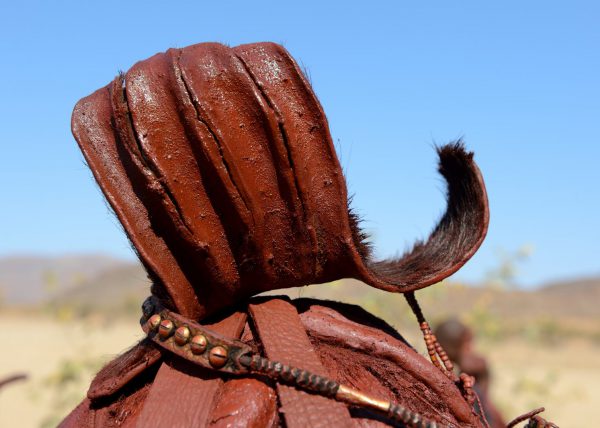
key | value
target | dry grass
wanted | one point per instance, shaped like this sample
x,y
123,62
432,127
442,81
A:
x,y
565,379
60,359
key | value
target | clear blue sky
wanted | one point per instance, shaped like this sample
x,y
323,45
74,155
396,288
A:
x,y
520,81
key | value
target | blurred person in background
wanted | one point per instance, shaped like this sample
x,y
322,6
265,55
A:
x,y
457,339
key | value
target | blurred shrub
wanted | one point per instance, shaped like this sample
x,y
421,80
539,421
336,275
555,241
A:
x,y
62,388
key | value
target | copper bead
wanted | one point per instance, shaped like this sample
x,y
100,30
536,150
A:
x,y
217,356
154,321
182,335
165,328
198,344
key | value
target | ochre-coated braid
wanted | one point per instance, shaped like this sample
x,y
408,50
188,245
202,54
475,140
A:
x,y
330,388
429,343
410,419
303,378
437,354
443,355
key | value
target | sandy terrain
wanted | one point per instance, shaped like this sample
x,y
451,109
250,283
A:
x,y
564,379
60,358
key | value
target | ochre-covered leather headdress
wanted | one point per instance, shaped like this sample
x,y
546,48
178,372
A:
x,y
219,164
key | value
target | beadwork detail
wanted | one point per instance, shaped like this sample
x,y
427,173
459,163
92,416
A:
x,y
303,378
437,354
154,321
208,349
198,344
217,356
165,329
182,335
191,341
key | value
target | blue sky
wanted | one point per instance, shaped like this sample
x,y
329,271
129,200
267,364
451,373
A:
x,y
518,80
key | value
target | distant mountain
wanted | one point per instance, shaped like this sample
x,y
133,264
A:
x,y
568,300
30,280
576,299
98,283
591,284
114,290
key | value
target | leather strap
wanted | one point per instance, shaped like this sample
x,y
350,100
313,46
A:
x,y
126,367
184,395
284,339
200,344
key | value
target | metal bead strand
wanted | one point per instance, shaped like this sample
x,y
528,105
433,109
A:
x,y
430,342
327,387
442,353
409,418
293,375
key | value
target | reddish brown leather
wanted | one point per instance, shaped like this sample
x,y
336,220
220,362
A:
x,y
80,416
248,401
284,339
219,164
92,126
183,395
207,160
245,403
318,174
121,413
123,369
370,359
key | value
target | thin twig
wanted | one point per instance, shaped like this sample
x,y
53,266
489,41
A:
x,y
524,417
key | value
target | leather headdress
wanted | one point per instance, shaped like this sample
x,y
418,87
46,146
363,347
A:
x,y
219,164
